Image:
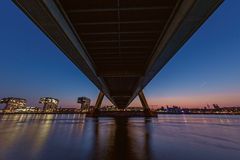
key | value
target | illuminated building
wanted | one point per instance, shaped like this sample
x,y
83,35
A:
x,y
85,103
68,110
13,104
49,104
28,110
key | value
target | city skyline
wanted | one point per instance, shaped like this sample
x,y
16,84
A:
x,y
204,71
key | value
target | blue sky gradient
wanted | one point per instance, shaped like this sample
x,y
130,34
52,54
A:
x,y
205,70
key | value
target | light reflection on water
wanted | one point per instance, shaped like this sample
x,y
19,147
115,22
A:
x,y
168,137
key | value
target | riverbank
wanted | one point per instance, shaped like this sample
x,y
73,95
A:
x,y
121,113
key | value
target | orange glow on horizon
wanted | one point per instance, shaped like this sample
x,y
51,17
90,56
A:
x,y
201,100
224,99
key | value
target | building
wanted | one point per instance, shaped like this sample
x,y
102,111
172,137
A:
x,y
134,109
49,104
216,107
27,109
68,110
13,104
85,103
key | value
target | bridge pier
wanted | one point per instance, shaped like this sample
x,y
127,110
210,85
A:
x,y
99,101
143,101
148,112
96,113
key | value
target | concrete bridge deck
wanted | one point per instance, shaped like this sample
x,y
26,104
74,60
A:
x,y
120,45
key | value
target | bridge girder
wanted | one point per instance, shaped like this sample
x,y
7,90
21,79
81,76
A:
x,y
119,45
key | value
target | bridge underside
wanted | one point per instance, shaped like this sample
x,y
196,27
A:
x,y
120,45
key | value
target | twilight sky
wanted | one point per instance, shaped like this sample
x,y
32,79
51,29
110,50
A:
x,y
205,70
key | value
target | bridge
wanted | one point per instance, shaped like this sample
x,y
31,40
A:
x,y
120,45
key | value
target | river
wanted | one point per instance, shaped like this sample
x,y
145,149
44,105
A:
x,y
76,137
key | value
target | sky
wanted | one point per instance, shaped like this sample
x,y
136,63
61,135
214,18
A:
x,y
205,70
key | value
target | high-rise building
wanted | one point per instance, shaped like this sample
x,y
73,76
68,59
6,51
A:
x,y
85,103
12,103
49,104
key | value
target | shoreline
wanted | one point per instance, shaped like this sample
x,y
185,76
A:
x,y
127,113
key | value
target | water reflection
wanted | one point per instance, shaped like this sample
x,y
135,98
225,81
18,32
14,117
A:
x,y
121,139
74,136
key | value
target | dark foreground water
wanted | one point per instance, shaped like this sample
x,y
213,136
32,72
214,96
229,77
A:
x,y
74,137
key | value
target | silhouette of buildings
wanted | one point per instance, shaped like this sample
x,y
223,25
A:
x,y
49,104
85,103
13,103
215,109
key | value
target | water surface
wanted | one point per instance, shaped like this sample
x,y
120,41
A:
x,y
75,137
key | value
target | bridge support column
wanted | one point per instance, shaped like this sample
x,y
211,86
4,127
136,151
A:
x,y
99,101
143,101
